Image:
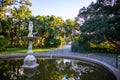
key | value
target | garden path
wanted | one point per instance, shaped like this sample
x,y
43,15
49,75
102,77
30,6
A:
x,y
107,58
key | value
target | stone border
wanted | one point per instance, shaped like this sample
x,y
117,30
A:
x,y
115,71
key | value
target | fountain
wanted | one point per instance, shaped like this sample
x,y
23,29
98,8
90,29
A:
x,y
52,66
30,60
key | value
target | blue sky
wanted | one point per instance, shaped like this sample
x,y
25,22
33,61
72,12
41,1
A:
x,y
62,8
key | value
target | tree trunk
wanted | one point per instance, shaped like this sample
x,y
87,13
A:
x,y
117,45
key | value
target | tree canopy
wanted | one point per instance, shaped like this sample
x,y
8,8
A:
x,y
102,22
12,15
7,5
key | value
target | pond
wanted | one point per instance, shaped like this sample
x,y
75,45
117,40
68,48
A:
x,y
53,69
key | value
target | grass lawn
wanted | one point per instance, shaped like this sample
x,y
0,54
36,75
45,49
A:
x,y
24,50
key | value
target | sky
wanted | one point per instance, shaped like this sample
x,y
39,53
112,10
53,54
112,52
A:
x,y
60,8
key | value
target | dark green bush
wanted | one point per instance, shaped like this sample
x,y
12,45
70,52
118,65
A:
x,y
57,42
80,45
3,43
52,42
75,46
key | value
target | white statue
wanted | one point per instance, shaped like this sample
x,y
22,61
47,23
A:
x,y
30,28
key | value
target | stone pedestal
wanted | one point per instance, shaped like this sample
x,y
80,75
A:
x,y
30,47
30,62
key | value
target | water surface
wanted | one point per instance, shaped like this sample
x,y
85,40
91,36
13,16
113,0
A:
x,y
53,69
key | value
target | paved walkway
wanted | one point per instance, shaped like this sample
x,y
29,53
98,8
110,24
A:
x,y
109,58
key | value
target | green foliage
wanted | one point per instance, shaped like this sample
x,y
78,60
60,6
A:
x,y
101,24
53,30
4,24
75,47
14,23
69,27
102,47
95,29
3,43
21,13
52,42
23,31
5,6
82,45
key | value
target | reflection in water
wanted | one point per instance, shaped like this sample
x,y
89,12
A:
x,y
29,73
53,69
78,70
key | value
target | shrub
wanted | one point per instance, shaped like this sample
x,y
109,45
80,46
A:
x,y
3,43
52,42
75,47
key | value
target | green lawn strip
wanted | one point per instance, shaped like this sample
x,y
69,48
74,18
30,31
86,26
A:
x,y
24,50
43,49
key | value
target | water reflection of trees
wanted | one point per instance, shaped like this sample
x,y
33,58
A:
x,y
10,69
50,69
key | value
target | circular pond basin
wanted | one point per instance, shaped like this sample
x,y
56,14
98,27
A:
x,y
53,69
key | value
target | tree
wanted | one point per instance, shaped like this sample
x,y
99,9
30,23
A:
x,y
19,16
102,22
71,29
5,6
12,15
48,28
